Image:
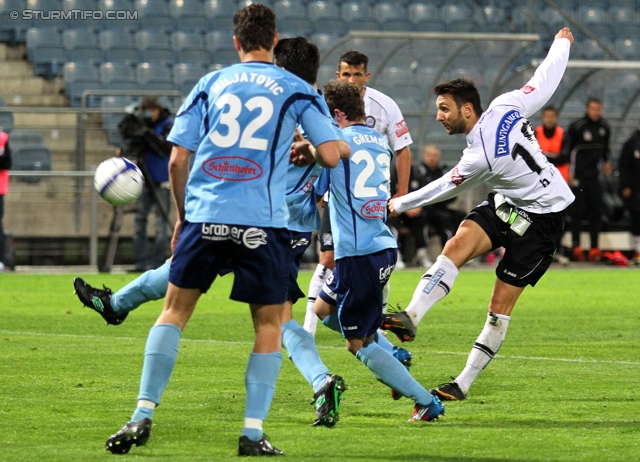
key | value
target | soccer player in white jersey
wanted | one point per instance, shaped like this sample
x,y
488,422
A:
x,y
365,248
231,206
524,213
384,116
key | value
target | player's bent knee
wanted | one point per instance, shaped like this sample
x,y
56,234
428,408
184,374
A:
x,y
321,308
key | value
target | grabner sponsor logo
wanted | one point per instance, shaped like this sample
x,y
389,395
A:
x,y
232,168
374,209
386,272
251,238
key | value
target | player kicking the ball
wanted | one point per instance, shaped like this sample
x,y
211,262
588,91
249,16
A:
x,y
524,213
351,300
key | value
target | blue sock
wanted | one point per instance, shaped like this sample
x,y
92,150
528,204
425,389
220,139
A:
x,y
260,380
302,351
151,285
142,413
332,322
392,373
159,358
382,342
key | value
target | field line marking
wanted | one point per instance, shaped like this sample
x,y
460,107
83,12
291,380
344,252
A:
x,y
322,347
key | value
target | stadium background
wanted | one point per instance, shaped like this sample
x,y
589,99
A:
x,y
65,82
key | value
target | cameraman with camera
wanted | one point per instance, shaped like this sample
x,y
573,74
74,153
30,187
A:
x,y
146,141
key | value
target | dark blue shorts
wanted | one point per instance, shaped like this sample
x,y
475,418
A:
x,y
259,258
355,288
299,244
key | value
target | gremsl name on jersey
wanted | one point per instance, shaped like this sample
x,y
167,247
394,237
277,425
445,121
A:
x,y
251,77
360,139
502,134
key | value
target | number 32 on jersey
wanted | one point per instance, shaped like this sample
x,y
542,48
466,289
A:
x,y
235,131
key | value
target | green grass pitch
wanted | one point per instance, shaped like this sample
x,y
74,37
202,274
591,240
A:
x,y
565,386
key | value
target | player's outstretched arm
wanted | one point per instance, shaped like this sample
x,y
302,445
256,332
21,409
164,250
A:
x,y
328,154
535,94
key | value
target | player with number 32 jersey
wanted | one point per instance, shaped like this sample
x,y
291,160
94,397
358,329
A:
x,y
240,167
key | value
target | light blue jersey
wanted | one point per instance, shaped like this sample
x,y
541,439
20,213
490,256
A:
x,y
301,198
301,194
240,122
359,191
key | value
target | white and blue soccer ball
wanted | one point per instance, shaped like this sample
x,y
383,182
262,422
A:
x,y
118,181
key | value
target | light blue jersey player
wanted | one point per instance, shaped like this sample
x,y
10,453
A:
x,y
365,249
231,207
301,57
358,196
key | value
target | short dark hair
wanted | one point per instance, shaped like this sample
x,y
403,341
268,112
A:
x,y
354,58
299,56
462,91
346,97
593,99
255,27
151,102
550,107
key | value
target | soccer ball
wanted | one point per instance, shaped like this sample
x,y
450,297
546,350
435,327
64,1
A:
x,y
118,181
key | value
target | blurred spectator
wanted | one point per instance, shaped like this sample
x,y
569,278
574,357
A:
x,y
146,134
549,136
629,166
439,217
5,165
586,145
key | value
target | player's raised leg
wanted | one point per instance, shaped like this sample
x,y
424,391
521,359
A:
x,y
469,241
114,307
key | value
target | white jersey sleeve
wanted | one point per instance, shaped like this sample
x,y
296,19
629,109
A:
x,y
535,94
502,151
384,115
472,170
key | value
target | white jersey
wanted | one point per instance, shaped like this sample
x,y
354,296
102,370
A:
x,y
503,153
385,117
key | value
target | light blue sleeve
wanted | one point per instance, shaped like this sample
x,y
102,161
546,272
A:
x,y
317,124
321,185
188,129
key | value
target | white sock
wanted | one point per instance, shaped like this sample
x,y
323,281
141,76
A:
x,y
486,347
318,279
636,240
434,285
